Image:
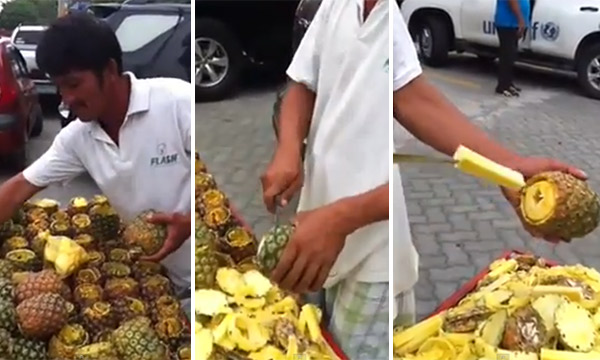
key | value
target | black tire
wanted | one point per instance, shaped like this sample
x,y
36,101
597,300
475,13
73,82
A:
x,y
38,125
18,160
587,56
486,59
219,32
440,40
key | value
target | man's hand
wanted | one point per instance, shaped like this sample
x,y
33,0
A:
x,y
178,231
532,166
522,29
312,251
284,177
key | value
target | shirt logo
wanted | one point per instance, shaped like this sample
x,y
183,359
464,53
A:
x,y
163,157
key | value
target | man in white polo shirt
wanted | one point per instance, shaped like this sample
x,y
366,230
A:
x,y
133,136
423,111
339,101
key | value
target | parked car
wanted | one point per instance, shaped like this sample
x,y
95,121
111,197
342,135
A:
x,y
20,111
563,34
235,35
155,39
26,38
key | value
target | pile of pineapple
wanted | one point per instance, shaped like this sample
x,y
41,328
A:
x,y
240,313
522,310
71,289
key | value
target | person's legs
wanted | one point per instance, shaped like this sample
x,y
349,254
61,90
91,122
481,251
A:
x,y
359,319
507,56
407,309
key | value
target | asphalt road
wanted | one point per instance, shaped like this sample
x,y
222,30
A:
x,y
81,186
459,224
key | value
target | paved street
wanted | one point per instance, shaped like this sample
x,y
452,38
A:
x,y
459,224
82,186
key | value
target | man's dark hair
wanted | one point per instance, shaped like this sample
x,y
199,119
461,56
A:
x,y
78,42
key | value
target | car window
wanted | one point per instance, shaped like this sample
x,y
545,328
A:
x,y
17,68
27,37
154,25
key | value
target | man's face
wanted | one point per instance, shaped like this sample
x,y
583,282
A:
x,y
83,93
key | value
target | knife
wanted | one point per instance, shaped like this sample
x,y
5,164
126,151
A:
x,y
411,158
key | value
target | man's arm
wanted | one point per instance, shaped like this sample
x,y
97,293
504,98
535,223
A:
x,y
424,111
358,211
516,9
296,113
13,193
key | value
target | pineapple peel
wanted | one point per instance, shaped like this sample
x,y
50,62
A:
x,y
560,304
476,165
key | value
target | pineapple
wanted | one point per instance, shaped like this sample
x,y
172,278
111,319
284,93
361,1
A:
x,y
82,224
98,200
558,204
219,220
155,286
145,235
95,259
525,331
214,198
19,217
97,351
206,262
17,230
283,329
36,227
239,243
106,223
120,255
142,269
165,307
119,287
272,245
87,294
61,216
135,339
42,316
127,308
8,315
49,206
29,349
60,228
36,214
99,317
86,241
115,269
38,243
575,327
6,229
14,243
78,205
6,289
89,276
6,269
184,353
204,182
200,167
45,281
24,260
5,344
171,331
63,345
465,321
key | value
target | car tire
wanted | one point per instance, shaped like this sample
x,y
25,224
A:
x,y
589,55
433,41
17,161
38,125
216,31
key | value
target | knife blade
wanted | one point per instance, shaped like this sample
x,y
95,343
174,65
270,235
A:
x,y
412,158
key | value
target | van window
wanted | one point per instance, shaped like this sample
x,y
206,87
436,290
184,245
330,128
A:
x,y
132,39
28,37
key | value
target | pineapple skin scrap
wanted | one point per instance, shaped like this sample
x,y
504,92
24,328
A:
x,y
481,167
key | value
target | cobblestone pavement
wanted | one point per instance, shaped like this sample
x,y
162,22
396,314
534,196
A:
x,y
459,224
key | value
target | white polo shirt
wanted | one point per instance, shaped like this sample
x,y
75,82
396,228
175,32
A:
x,y
151,167
406,69
345,61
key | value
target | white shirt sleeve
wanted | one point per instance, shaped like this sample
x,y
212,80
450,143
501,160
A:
x,y
304,68
406,60
184,114
59,163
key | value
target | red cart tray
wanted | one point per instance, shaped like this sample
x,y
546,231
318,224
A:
x,y
464,290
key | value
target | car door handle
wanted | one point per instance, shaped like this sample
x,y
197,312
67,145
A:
x,y
588,8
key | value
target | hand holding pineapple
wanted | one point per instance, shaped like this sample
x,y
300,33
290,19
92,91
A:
x,y
178,231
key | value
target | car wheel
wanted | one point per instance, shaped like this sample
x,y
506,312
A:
x,y
588,71
219,60
432,41
38,125
18,160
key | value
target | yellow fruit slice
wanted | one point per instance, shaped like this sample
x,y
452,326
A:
x,y
481,167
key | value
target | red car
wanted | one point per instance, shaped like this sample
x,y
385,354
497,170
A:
x,y
20,112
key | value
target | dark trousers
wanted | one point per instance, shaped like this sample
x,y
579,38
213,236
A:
x,y
509,48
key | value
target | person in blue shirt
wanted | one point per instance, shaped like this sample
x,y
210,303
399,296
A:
x,y
512,20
